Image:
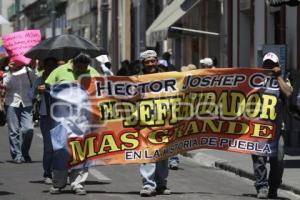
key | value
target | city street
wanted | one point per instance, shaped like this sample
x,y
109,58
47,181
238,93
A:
x,y
123,82
191,181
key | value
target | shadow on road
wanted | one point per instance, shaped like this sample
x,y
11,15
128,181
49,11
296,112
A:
x,y
23,163
68,191
254,196
86,183
2,193
96,183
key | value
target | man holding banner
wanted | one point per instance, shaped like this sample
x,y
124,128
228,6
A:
x,y
154,174
271,61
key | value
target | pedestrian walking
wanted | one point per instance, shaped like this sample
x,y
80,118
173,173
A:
x,y
154,175
267,187
68,73
18,107
46,122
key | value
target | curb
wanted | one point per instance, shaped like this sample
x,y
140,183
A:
x,y
225,166
216,162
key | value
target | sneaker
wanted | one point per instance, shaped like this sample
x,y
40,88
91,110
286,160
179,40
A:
x,y
163,190
17,161
48,181
262,193
147,192
272,193
80,191
54,190
173,166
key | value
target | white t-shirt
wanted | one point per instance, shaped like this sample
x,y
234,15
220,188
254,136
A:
x,y
17,86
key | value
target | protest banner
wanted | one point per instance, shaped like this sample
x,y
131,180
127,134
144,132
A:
x,y
18,43
147,118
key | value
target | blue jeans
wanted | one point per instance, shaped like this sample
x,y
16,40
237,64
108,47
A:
x,y
46,124
20,130
154,174
276,169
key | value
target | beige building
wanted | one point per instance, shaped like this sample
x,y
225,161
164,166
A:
x,y
5,28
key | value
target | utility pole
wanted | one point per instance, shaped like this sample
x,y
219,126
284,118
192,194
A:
x,y
53,16
104,24
136,5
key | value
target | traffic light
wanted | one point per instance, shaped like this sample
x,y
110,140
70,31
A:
x,y
276,3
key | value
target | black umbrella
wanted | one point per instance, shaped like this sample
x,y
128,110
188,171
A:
x,y
63,47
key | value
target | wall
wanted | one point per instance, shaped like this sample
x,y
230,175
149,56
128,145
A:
x,y
5,28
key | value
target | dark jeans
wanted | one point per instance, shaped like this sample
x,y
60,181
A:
x,y
276,169
46,124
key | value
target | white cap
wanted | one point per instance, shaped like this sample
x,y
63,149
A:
x,y
163,62
148,54
271,56
103,59
206,61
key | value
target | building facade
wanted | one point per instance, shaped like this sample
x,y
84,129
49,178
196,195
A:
x,y
5,28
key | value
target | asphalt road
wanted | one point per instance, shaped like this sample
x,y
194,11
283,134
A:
x,y
116,182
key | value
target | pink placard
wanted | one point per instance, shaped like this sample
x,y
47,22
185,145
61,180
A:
x,y
18,43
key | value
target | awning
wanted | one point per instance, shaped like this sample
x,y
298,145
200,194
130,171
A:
x,y
158,30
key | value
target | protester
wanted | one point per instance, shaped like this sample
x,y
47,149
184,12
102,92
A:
x,y
267,188
154,174
207,63
18,107
46,122
189,67
105,62
166,62
125,68
69,73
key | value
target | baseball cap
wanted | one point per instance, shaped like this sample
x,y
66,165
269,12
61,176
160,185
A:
x,y
148,54
206,61
103,59
272,57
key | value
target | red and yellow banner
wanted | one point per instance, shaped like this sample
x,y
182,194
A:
x,y
147,118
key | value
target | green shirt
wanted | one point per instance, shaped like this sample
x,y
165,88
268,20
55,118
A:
x,y
65,73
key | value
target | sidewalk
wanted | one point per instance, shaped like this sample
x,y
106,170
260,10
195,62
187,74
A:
x,y
241,164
